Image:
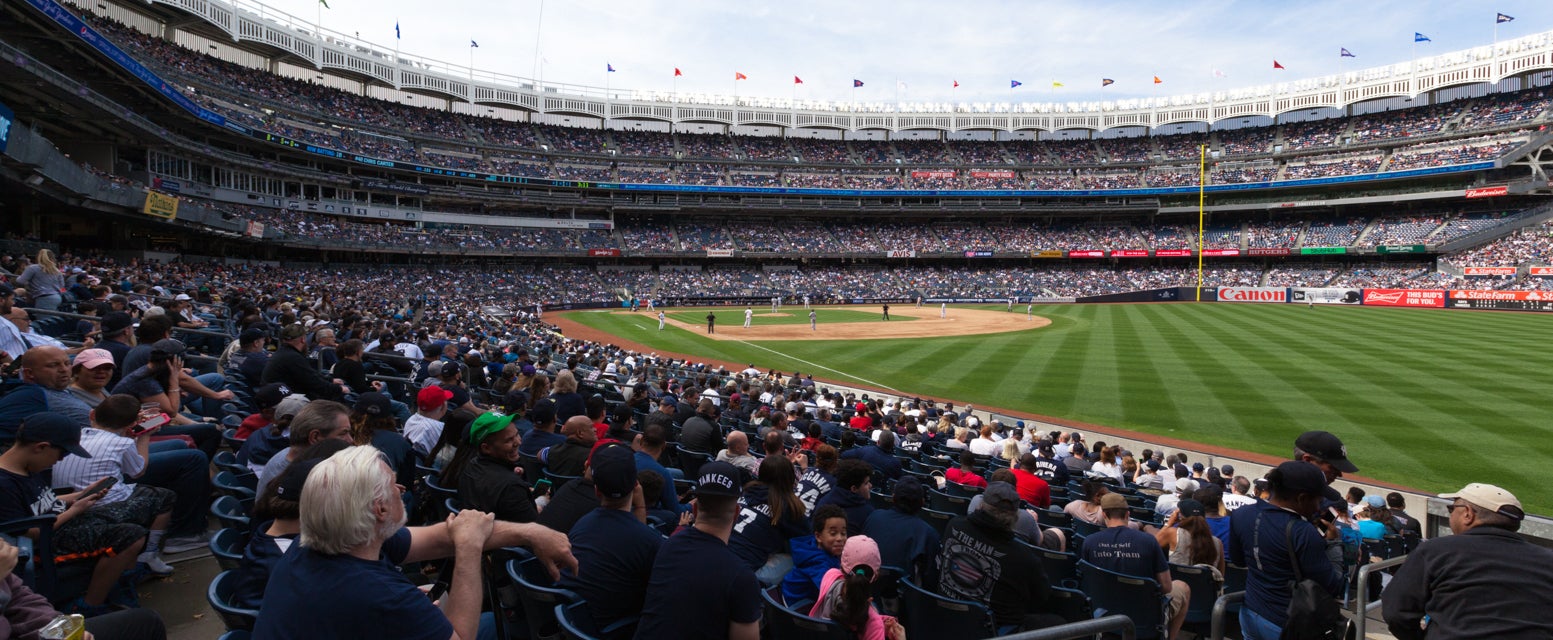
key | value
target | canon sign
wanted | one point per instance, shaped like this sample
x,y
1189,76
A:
x,y
1253,294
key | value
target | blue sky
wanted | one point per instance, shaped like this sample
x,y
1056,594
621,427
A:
x,y
983,44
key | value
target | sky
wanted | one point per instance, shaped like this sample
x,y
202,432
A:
x,y
915,50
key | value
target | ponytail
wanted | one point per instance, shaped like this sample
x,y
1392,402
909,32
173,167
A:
x,y
851,610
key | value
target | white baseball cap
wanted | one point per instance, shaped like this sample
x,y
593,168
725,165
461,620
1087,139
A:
x,y
1491,498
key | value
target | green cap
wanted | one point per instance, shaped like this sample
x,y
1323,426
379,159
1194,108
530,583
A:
x,y
488,423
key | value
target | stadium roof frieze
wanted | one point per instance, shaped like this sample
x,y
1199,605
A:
x,y
253,22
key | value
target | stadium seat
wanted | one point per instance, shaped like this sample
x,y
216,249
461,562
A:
x,y
238,634
690,461
783,623
220,597
227,546
231,484
1061,568
577,624
1135,597
1071,604
230,439
1054,517
1205,591
227,461
230,512
539,595
925,614
964,491
557,480
939,519
947,503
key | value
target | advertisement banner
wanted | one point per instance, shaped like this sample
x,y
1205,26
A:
x,y
161,205
604,253
1400,248
978,254
6,118
1404,297
1046,254
1488,192
1325,295
1253,294
1504,305
255,229
1542,272
1488,271
1322,251
1130,253
1220,253
1267,251
932,174
901,253
1173,253
719,253
1495,294
992,174
1086,254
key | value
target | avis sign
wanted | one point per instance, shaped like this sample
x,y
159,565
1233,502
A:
x,y
1404,297
1253,294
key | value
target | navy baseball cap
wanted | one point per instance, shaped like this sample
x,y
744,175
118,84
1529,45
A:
x,y
54,429
718,478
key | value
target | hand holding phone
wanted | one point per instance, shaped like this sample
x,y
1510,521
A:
x,y
149,425
99,487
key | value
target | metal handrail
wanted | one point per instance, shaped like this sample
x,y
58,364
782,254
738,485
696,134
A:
x,y
1361,608
1083,629
1220,610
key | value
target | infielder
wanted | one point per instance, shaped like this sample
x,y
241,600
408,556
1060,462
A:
x,y
812,320
660,320
748,315
806,301
1028,307
943,310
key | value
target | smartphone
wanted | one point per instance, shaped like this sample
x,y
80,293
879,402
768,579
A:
x,y
541,486
149,424
100,486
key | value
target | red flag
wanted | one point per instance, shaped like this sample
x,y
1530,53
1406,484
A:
x,y
1158,81
739,76
677,73
797,80
957,84
1276,65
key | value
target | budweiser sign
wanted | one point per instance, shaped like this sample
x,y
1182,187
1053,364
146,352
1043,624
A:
x,y
1130,253
1253,294
1173,253
992,174
1404,297
1488,192
604,253
1490,294
1489,271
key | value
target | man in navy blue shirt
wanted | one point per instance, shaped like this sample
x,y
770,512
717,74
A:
x,y
342,579
1127,551
699,589
649,448
615,550
880,457
1257,540
906,541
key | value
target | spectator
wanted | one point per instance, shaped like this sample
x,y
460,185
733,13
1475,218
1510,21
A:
x,y
484,469
965,474
699,432
1408,524
820,478
44,282
372,422
1124,550
1260,539
24,613
1187,540
880,457
12,345
1018,590
1484,581
816,555
568,458
279,514
698,588
1052,470
904,540
649,448
568,402
1032,488
1166,504
1327,452
344,579
423,429
854,482
290,366
576,498
770,517
45,376
615,546
318,420
738,453
845,593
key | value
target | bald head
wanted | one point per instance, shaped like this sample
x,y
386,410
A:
x,y
579,427
738,442
46,366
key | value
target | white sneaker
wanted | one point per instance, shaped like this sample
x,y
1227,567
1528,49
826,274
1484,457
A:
x,y
181,544
156,564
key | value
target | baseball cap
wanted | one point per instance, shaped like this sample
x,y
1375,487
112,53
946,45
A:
x,y
1186,485
55,429
718,478
1227,471
1327,447
250,336
432,397
528,369
115,322
1113,501
1491,498
909,490
6,289
1189,507
271,394
543,412
292,332
488,423
1375,501
1153,465
290,405
1303,477
164,349
1197,466
181,297
614,470
860,556
93,358
373,403
1000,496
292,480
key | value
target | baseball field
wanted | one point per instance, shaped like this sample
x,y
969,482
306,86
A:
x,y
1429,399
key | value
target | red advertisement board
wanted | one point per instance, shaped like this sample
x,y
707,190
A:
x,y
932,174
1267,252
1130,253
1086,254
1488,192
1488,271
1542,271
604,253
1173,253
1220,253
992,174
1492,294
1404,297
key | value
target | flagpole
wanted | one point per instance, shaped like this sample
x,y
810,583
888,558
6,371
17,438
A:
x,y
1202,182
538,29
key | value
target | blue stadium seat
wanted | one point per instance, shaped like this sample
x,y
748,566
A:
x,y
227,546
539,594
577,624
230,512
1132,596
783,623
939,519
220,597
1205,591
928,615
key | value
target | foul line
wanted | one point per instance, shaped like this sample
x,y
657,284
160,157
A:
x,y
819,366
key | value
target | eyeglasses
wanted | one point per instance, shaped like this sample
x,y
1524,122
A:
x,y
1452,508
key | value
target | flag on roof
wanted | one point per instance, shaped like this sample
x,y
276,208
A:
x,y
677,73
1056,84
1106,82
956,84
740,76
856,83
325,3
1158,81
1502,18
1419,37
396,30
1014,83
1276,65
1219,74
609,67
1345,53
474,45
797,80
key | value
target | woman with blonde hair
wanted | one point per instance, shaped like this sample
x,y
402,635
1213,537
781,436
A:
x,y
44,282
1107,465
1010,451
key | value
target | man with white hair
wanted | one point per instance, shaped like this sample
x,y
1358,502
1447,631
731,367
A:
x,y
342,579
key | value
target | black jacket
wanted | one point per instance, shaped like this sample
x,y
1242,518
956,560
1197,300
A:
x,y
1485,583
701,434
489,485
972,546
294,369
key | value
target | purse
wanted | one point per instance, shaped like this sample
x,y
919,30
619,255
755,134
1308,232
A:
x,y
1313,613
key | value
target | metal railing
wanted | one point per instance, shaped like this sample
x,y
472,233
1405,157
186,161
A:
x,y
1083,629
1361,606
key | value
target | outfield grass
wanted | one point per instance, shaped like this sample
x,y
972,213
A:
x,y
1431,399
734,316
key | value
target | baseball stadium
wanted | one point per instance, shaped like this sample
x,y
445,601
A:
x,y
541,304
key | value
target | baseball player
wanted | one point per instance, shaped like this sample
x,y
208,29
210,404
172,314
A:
x,y
660,320
748,315
943,310
812,321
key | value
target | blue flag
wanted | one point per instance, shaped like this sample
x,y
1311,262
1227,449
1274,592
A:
x,y
1419,37
1014,83
396,30
474,45
609,67
1503,18
857,83
1346,54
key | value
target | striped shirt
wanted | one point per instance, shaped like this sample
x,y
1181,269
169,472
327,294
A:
x,y
11,340
113,455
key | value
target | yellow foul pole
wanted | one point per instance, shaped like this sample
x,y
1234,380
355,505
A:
x,y
1202,182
